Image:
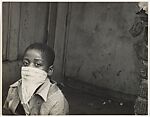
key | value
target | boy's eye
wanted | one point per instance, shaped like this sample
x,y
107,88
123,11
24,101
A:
x,y
25,63
37,64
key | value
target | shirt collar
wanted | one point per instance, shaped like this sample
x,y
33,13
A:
x,y
42,91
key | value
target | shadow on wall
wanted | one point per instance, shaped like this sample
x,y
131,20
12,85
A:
x,y
100,49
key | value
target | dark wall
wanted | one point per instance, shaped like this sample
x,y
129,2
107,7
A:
x,y
100,49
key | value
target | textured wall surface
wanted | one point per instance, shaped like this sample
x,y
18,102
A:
x,y
100,50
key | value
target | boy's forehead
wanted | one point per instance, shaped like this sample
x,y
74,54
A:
x,y
34,53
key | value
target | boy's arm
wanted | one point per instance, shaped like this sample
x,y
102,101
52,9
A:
x,y
60,108
11,102
5,109
6,112
55,105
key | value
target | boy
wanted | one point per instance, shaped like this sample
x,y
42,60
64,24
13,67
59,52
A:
x,y
35,93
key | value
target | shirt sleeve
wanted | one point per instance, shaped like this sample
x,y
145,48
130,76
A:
x,y
60,108
11,101
56,104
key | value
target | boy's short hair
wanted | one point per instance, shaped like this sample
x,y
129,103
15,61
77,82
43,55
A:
x,y
46,51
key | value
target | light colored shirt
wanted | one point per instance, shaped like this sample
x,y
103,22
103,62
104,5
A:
x,y
47,100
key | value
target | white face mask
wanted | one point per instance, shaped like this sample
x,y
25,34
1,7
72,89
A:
x,y
32,78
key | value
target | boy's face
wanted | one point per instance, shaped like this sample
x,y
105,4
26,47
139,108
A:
x,y
34,58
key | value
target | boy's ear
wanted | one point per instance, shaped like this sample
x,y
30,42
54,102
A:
x,y
50,70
